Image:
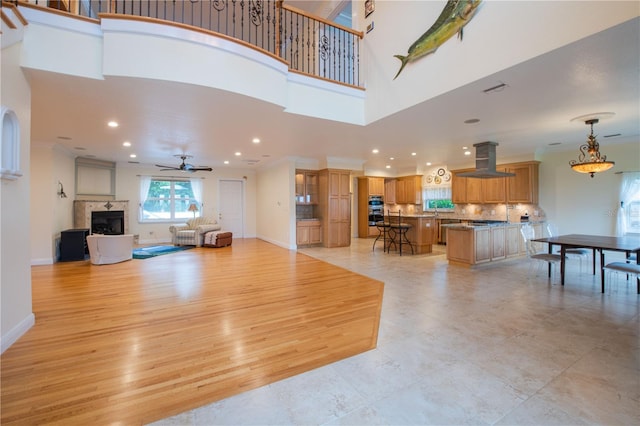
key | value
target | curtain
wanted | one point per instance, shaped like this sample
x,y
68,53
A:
x,y
196,187
437,193
145,184
629,188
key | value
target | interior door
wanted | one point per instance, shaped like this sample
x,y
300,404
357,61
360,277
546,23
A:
x,y
231,206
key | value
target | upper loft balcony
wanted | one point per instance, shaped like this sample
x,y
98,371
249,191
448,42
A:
x,y
307,44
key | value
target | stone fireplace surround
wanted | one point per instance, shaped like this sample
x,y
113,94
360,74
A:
x,y
82,210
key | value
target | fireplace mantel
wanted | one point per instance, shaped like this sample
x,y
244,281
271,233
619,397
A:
x,y
82,211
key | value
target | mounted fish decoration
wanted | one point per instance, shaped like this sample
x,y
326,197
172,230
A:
x,y
455,15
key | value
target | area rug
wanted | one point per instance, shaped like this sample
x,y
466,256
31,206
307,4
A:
x,y
147,252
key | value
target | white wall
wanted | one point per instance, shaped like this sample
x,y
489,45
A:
x,y
127,185
578,203
275,203
50,165
524,29
16,315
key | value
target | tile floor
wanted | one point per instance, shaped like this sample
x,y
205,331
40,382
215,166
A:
x,y
497,344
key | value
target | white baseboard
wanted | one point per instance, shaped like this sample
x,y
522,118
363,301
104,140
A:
x,y
155,241
16,332
42,261
278,243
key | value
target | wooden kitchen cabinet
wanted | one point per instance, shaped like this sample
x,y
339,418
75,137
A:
x,y
473,245
523,187
375,186
335,207
308,232
409,190
306,187
365,186
514,245
422,234
390,191
458,189
474,190
494,190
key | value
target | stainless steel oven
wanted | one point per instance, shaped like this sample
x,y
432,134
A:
x,y
376,209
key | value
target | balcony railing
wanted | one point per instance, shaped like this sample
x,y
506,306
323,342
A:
x,y
310,45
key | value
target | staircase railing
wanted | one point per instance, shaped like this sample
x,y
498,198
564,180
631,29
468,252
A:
x,y
309,44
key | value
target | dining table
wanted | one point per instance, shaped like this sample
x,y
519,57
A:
x,y
600,243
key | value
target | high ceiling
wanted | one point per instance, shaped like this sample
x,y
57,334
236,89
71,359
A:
x,y
530,115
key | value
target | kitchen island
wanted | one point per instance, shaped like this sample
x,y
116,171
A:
x,y
423,232
476,243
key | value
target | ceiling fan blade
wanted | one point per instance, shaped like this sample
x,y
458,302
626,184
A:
x,y
167,167
203,169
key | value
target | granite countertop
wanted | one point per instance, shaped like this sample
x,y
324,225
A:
x,y
306,220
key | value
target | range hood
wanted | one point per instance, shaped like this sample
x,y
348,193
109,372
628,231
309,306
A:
x,y
485,162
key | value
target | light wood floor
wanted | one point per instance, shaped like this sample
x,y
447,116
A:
x,y
138,341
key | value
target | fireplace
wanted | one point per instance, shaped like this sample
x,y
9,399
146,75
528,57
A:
x,y
102,217
108,223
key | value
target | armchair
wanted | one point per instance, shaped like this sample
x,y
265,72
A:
x,y
192,233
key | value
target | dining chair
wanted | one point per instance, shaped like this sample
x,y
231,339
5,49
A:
x,y
551,259
625,268
570,253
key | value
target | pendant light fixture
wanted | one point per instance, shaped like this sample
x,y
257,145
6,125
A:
x,y
590,160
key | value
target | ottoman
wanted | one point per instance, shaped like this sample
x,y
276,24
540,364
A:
x,y
217,239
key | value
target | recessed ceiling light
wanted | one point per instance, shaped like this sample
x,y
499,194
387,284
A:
x,y
255,140
127,144
428,164
375,151
112,124
238,154
472,121
388,166
465,147
413,154
132,155
391,158
467,153
226,161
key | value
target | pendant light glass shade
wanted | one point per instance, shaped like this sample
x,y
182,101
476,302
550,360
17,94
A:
x,y
590,160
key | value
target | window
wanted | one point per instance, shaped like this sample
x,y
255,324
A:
x,y
629,213
168,200
633,216
437,198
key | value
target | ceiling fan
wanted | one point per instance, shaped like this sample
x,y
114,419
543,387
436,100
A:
x,y
185,167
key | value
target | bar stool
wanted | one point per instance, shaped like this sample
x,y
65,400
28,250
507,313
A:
x,y
383,229
398,232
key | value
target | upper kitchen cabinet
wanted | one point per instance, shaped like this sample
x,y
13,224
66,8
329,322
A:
x,y
458,189
306,187
494,191
390,191
523,187
409,190
375,186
